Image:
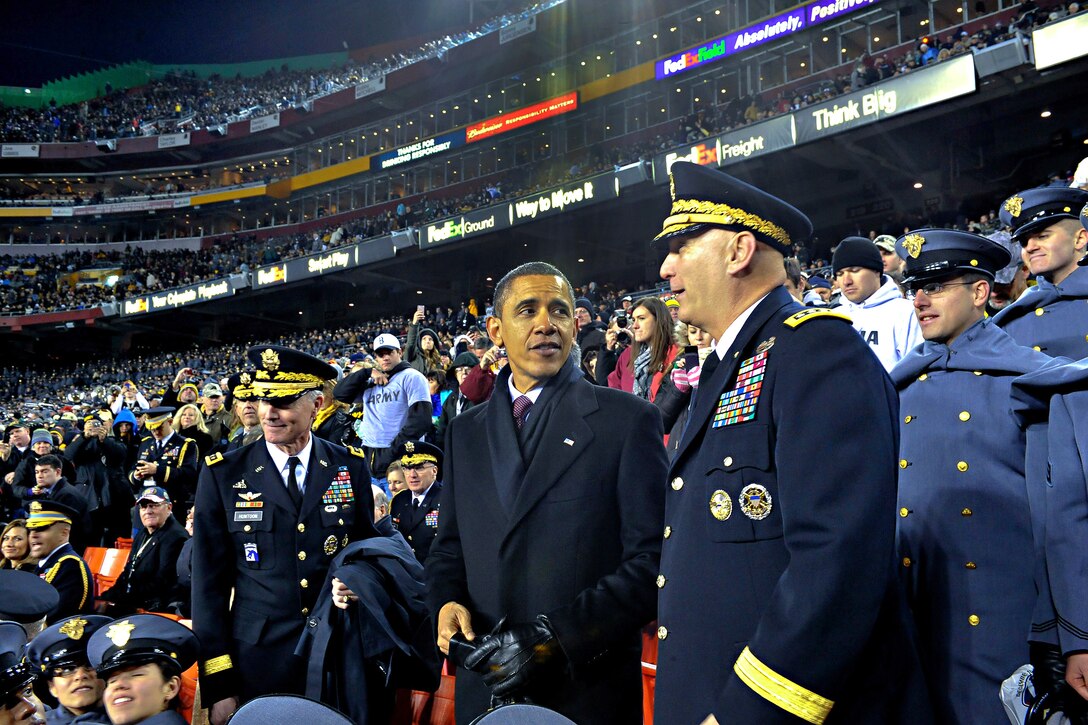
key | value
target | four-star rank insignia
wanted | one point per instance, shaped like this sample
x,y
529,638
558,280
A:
x,y
1014,205
270,359
913,244
119,632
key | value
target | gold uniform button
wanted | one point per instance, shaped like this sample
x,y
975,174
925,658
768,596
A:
x,y
660,581
966,512
668,531
341,521
304,583
302,556
305,611
965,416
302,528
961,466
908,419
906,561
727,461
923,376
662,633
971,565
977,372
677,483
903,512
973,620
247,527
1038,311
409,537
1036,348
903,463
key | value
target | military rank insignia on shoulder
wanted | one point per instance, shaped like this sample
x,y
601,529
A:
x,y
358,452
213,459
812,313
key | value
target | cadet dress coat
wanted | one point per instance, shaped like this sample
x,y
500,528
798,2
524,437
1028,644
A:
x,y
249,537
1049,318
418,526
178,462
71,577
966,542
778,596
579,541
1060,394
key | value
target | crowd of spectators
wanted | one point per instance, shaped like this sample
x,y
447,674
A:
x,y
180,101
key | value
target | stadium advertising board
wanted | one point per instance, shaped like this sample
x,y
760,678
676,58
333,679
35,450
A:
x,y
773,28
420,150
264,122
20,151
180,297
271,275
315,265
513,31
893,97
370,87
1056,43
759,139
522,117
455,229
564,198
173,140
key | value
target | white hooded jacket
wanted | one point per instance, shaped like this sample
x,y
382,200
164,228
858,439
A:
x,y
886,321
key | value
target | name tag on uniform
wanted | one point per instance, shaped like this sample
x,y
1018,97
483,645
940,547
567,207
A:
x,y
251,552
248,515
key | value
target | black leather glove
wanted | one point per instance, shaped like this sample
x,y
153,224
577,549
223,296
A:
x,y
1052,692
510,659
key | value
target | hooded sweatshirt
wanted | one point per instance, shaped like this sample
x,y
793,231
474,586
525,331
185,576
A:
x,y
885,321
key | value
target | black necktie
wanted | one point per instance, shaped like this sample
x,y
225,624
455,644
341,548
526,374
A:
x,y
293,489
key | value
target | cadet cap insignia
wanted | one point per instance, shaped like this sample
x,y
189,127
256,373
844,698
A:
x,y
119,632
811,314
73,628
913,244
755,502
1013,205
270,359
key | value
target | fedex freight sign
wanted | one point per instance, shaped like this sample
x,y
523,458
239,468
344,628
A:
x,y
779,26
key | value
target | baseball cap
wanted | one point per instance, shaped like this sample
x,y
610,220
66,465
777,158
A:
x,y
157,494
386,341
212,390
885,243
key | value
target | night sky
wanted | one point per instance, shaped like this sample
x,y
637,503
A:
x,y
42,41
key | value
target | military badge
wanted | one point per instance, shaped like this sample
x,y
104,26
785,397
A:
x,y
119,632
330,545
251,552
270,359
245,379
1014,205
344,541
721,506
765,345
73,628
755,502
739,404
240,484
330,509
410,447
431,519
250,496
913,244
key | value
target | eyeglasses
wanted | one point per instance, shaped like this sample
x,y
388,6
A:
x,y
417,466
933,288
70,669
151,504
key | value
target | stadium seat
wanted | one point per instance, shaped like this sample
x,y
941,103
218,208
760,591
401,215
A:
x,y
94,555
414,707
122,543
113,563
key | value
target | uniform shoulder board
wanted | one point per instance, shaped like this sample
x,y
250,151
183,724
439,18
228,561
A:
x,y
812,313
359,452
213,459
398,493
145,438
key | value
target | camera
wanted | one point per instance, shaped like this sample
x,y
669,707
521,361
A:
x,y
623,337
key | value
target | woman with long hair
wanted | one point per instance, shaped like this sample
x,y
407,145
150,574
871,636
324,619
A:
x,y
640,367
15,547
189,423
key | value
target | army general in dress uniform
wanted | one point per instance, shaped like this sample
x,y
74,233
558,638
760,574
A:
x,y
965,521
167,459
779,600
415,510
1052,316
270,517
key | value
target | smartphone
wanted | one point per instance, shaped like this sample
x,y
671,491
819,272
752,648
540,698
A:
x,y
421,308
691,357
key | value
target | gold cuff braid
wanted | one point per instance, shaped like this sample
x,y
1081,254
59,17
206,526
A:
x,y
779,691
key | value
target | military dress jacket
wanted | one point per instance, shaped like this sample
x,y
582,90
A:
x,y
250,539
71,577
1052,319
1060,469
578,542
178,463
778,596
419,526
966,541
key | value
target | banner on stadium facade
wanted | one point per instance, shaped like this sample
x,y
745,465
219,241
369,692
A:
x,y
20,151
121,207
473,224
772,28
1056,43
264,122
513,31
370,87
893,97
759,139
179,297
420,150
271,275
523,117
315,265
567,197
174,140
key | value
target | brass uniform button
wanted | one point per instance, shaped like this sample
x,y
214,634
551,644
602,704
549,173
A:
x,y
978,372
973,620
302,556
961,466
1036,348
302,528
966,512
727,461
662,633
660,581
908,419
903,463
668,531
971,565
677,483
304,583
965,416
903,512
247,527
305,611
923,376
906,561
1038,311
